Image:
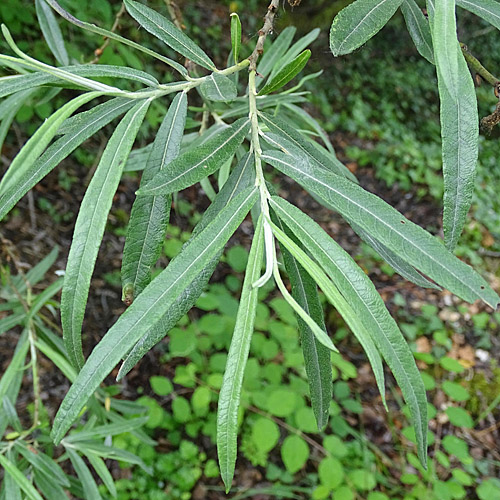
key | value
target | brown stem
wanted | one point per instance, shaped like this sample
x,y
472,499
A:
x,y
263,32
98,52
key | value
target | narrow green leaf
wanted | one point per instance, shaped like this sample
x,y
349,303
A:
x,y
15,367
103,472
19,478
229,396
407,240
89,485
31,151
51,32
489,10
86,126
43,463
235,36
89,229
419,29
58,359
47,486
102,431
113,36
289,72
459,122
193,166
316,155
10,489
150,214
316,356
399,265
358,22
168,33
149,307
241,178
217,87
275,52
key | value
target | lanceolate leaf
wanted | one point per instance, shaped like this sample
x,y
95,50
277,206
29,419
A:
x,y
113,36
149,307
419,29
150,214
407,240
193,166
19,478
489,10
218,87
229,396
459,122
168,33
87,124
358,22
241,178
89,229
287,73
39,140
235,36
398,264
274,54
316,356
51,32
89,485
315,155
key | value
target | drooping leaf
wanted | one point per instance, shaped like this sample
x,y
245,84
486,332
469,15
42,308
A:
x,y
235,36
419,29
51,32
150,214
113,36
358,22
407,240
286,74
193,166
89,229
89,485
240,179
489,10
217,87
315,155
84,127
31,151
149,307
19,478
459,122
316,356
229,396
102,471
168,33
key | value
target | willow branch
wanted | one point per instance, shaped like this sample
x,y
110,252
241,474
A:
x,y
476,66
263,32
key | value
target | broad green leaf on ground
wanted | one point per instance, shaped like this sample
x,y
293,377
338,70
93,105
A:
x,y
316,356
271,57
168,33
113,36
85,125
419,29
459,122
51,31
19,478
235,36
16,83
150,214
399,265
229,396
89,229
358,22
35,146
407,240
286,74
193,166
489,10
150,306
317,155
241,178
217,87
91,491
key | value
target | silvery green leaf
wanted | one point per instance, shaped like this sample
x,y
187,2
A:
x,y
217,87
355,24
51,31
489,10
235,36
419,29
